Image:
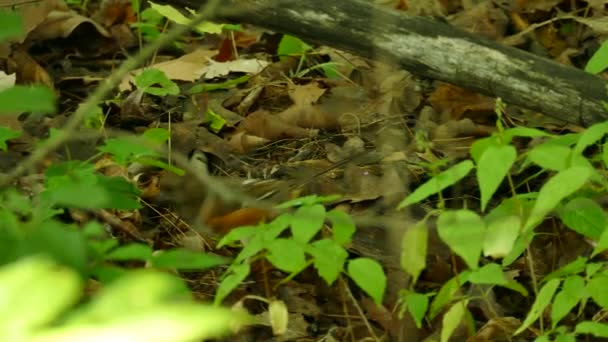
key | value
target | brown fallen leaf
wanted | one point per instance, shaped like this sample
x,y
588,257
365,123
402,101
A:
x,y
265,125
456,102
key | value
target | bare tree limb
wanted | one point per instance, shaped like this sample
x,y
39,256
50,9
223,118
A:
x,y
431,49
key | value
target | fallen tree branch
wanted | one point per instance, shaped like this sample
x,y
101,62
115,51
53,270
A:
x,y
432,49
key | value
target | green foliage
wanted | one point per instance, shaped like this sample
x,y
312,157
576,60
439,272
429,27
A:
x,y
129,308
507,229
599,60
295,253
155,82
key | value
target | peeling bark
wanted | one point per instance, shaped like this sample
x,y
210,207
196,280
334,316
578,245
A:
x,y
432,49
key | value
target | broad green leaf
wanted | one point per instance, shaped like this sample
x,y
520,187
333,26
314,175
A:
x,y
591,136
215,121
463,231
155,82
490,274
543,299
65,243
417,304
521,243
132,251
572,292
602,244
593,328
480,146
238,273
500,236
447,292
7,134
597,290
131,294
413,249
24,286
342,226
287,255
438,183
329,258
186,260
599,61
126,149
292,46
19,99
238,234
308,201
526,132
178,321
584,216
12,25
550,156
451,319
369,276
307,221
156,136
572,268
565,337
492,168
560,186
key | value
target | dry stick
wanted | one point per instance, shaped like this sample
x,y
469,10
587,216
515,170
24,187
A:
x,y
98,95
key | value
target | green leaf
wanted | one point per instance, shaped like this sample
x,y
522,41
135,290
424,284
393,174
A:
x,y
597,290
593,328
550,156
132,251
463,231
451,320
543,299
414,249
369,276
447,292
238,234
500,236
585,217
572,268
438,183
481,145
526,132
124,150
307,221
308,201
216,121
186,260
12,25
65,243
572,292
599,61
602,244
292,46
329,258
181,321
490,274
417,304
19,99
7,134
238,273
44,282
560,186
155,82
342,226
492,168
287,255
156,136
591,136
